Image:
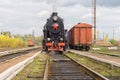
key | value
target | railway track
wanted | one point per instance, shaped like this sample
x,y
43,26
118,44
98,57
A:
x,y
15,55
62,67
34,70
107,53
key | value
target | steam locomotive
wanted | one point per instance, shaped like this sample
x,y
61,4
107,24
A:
x,y
54,34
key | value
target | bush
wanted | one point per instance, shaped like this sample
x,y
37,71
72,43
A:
x,y
114,42
7,42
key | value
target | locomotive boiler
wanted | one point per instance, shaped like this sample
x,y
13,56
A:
x,y
54,34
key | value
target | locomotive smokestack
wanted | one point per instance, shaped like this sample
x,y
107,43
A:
x,y
54,14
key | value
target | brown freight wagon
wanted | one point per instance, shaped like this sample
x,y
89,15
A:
x,y
31,43
80,36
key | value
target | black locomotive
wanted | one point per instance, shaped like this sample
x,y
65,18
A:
x,y
54,34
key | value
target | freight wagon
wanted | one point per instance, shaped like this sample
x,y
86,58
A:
x,y
80,36
30,43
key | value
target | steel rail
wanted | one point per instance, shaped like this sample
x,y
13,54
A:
x,y
89,71
11,72
15,51
15,55
46,71
109,62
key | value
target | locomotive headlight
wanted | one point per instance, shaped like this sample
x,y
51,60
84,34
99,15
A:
x,y
61,39
48,39
55,18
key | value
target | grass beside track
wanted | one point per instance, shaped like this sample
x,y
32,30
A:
x,y
109,52
102,68
33,71
106,51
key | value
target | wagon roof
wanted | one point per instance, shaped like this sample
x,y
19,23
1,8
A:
x,y
83,25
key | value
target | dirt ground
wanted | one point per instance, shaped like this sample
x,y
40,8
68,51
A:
x,y
5,65
5,49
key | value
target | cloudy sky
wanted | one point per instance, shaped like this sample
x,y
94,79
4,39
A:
x,y
22,16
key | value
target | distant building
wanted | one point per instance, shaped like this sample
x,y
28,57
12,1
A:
x,y
103,43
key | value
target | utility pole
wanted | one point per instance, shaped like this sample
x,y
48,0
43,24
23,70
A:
x,y
113,33
94,22
33,35
103,36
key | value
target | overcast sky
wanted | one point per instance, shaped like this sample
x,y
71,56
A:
x,y
22,16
